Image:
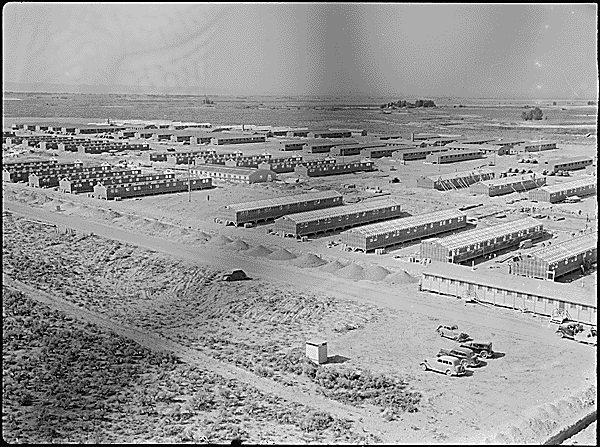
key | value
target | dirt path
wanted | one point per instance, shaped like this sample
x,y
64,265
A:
x,y
361,418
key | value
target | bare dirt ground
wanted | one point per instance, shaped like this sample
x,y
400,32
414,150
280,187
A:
x,y
166,308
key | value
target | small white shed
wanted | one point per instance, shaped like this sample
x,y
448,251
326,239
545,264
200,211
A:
x,y
316,350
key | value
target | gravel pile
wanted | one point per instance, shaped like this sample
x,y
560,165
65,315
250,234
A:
x,y
334,266
351,271
281,255
401,277
376,273
239,244
309,260
259,251
221,240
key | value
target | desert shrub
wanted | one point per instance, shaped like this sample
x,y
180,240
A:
x,y
202,401
316,421
309,369
263,371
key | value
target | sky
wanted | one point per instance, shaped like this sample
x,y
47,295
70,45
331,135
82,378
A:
x,y
399,50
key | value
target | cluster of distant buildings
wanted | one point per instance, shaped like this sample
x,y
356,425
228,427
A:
x,y
334,143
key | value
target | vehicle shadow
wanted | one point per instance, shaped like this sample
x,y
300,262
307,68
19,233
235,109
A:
x,y
498,355
482,363
337,359
468,373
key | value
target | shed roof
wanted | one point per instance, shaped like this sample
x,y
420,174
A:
x,y
327,213
378,228
462,145
328,141
483,234
257,204
566,249
226,169
475,140
501,142
411,148
402,141
538,142
571,159
462,174
361,145
509,180
513,283
441,140
557,187
236,136
459,152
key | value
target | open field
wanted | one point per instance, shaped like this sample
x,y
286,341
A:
x,y
152,266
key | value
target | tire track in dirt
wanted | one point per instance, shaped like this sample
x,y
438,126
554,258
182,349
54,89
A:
x,y
361,418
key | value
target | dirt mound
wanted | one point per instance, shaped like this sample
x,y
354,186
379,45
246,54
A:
x,y
221,240
334,266
158,226
114,215
239,244
65,205
401,277
194,239
309,260
537,424
50,205
351,271
376,273
282,255
260,251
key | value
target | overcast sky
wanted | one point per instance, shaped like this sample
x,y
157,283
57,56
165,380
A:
x,y
487,50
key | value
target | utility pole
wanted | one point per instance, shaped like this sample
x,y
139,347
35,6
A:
x,y
189,180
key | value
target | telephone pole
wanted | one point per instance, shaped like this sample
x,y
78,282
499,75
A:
x,y
189,180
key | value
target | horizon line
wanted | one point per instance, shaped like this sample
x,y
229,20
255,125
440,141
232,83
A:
x,y
299,95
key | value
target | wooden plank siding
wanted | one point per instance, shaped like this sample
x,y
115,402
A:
x,y
271,209
540,297
397,231
337,218
481,242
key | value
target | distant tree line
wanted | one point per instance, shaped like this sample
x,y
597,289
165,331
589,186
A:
x,y
534,114
403,103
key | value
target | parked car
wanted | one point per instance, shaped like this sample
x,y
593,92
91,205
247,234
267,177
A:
x,y
466,356
569,330
452,332
589,336
527,243
451,366
236,275
483,349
